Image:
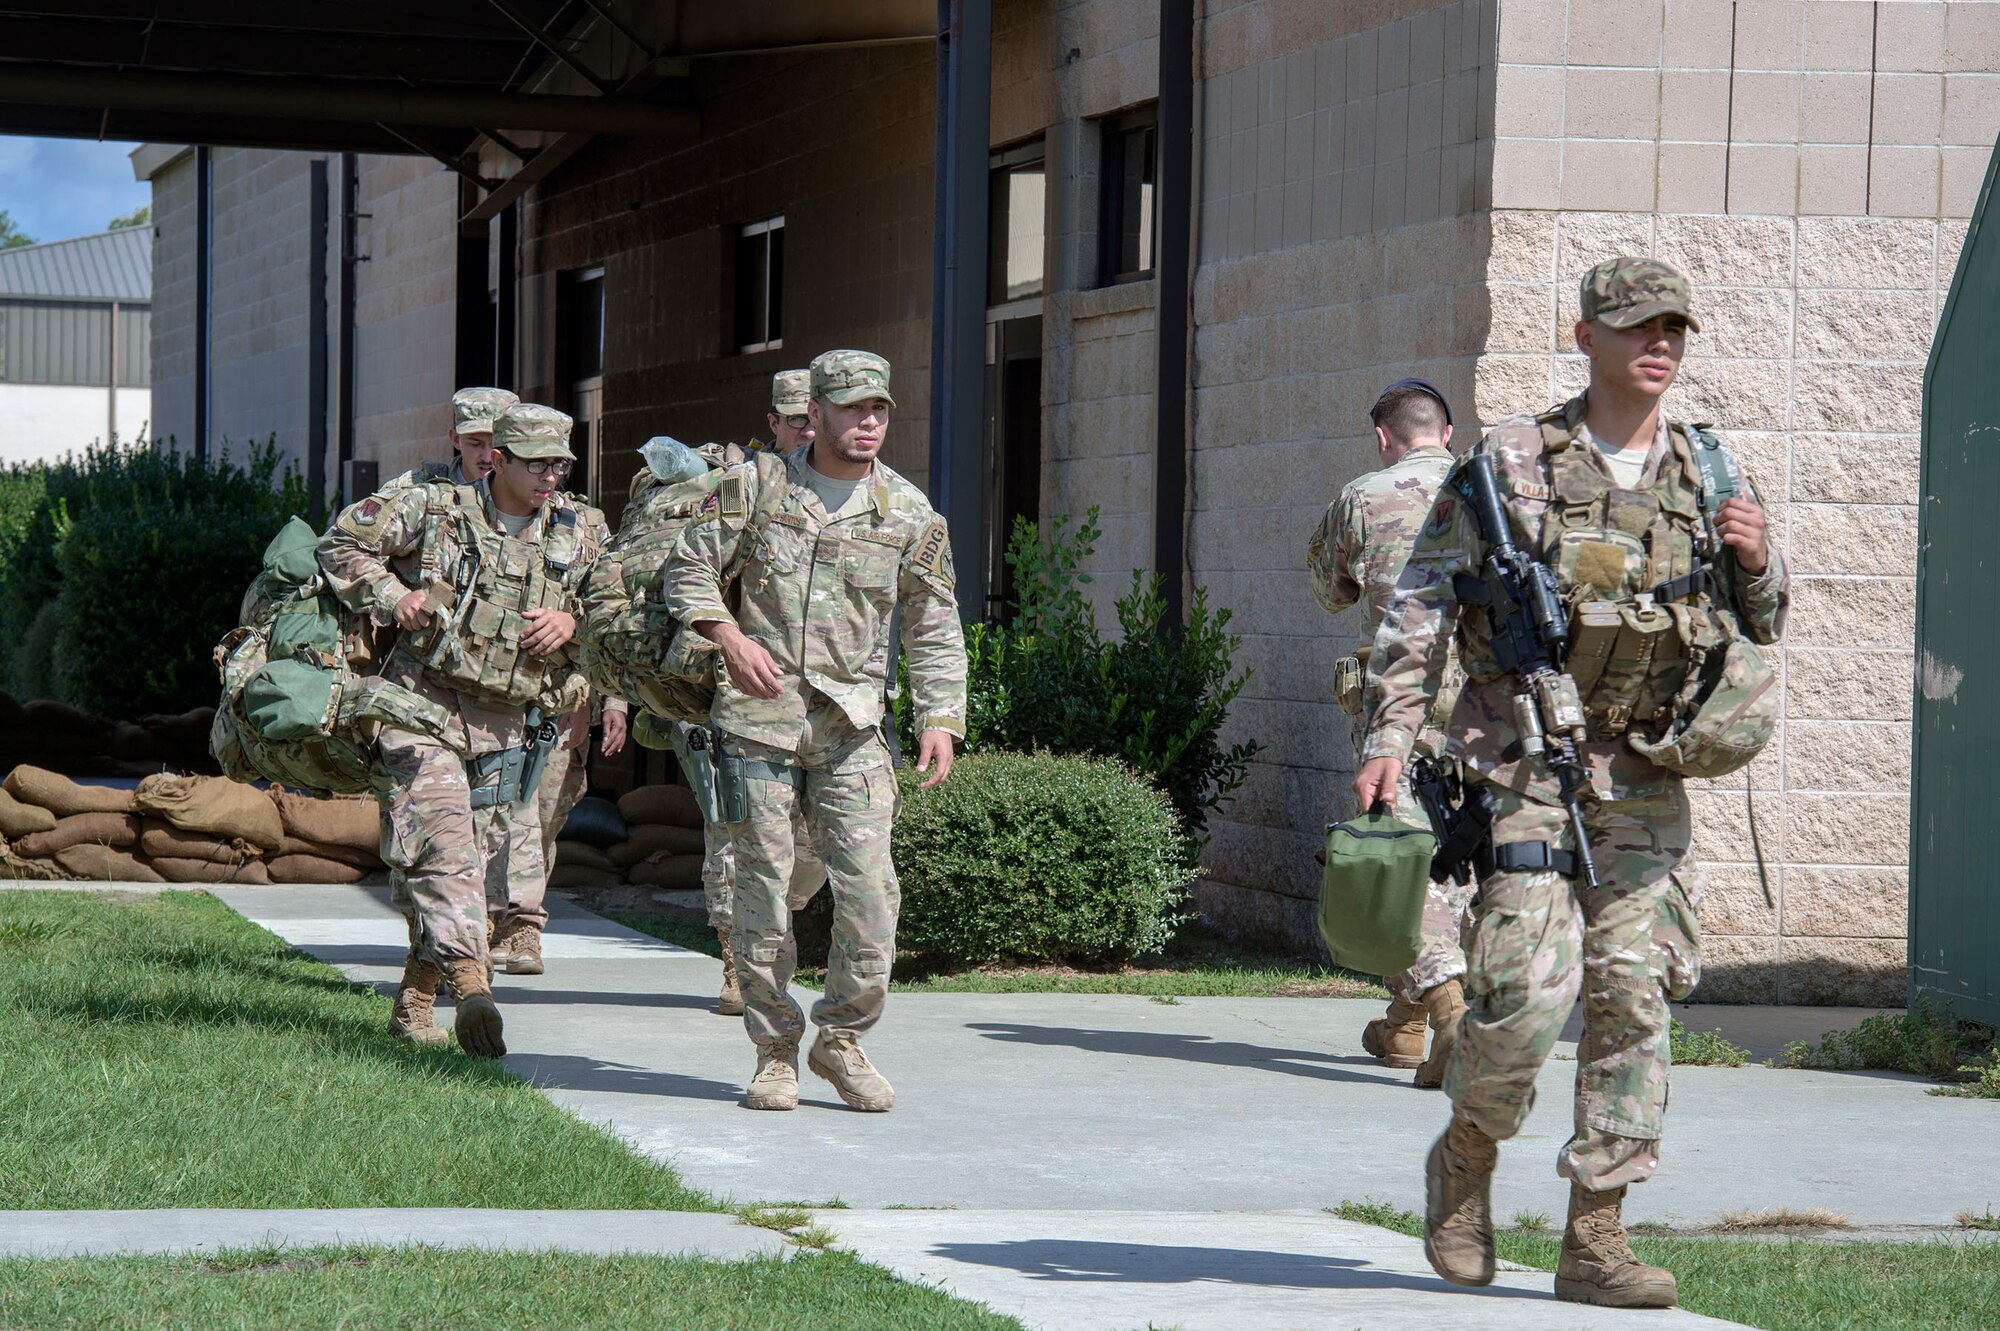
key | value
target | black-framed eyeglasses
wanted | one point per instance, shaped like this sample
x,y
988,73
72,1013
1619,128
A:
x,y
543,466
795,422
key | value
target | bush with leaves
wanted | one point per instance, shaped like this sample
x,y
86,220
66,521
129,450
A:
x,y
121,570
1037,856
1155,698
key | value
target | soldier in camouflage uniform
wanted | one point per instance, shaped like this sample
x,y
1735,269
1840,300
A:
x,y
484,584
472,414
1356,555
789,421
1609,494
801,703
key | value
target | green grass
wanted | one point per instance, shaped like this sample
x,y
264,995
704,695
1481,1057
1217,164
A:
x,y
1794,1285
1704,1049
1926,1041
164,1052
1199,963
360,1289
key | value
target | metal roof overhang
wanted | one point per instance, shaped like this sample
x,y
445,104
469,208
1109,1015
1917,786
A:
x,y
501,91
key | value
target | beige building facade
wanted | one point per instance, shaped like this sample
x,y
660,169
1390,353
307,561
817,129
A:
x,y
1380,189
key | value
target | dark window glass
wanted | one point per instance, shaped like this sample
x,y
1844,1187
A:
x,y
586,331
1125,221
760,274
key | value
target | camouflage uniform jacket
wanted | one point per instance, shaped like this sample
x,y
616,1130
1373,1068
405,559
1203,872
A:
x,y
1423,619
374,556
428,473
1359,549
817,592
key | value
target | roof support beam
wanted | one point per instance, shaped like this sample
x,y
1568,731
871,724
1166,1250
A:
x,y
329,100
541,38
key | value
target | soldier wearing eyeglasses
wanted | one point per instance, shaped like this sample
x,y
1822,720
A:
x,y
788,420
484,584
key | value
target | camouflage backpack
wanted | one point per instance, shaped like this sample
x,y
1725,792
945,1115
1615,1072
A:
x,y
632,648
294,709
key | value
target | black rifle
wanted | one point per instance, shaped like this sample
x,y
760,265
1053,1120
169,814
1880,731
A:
x,y
1462,818
1530,626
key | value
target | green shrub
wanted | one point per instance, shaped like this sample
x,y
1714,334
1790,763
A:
x,y
1155,699
120,571
1927,1041
1038,857
1703,1049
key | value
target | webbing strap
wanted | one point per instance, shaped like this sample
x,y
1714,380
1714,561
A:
x,y
1696,583
1532,857
486,793
759,769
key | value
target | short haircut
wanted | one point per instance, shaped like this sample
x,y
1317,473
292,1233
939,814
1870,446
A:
x,y
1409,414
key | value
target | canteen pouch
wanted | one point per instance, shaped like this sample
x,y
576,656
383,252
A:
x,y
1371,897
1349,677
1617,651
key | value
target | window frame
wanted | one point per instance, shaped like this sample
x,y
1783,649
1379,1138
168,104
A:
x,y
773,293
1114,131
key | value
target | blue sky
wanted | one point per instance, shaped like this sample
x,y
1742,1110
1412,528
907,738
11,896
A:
x,y
58,188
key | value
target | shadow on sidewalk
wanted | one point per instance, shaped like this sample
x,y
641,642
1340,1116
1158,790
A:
x,y
570,1072
1193,1049
1160,1264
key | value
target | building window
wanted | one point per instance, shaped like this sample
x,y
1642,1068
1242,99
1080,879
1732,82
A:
x,y
1125,197
580,361
760,285
1018,194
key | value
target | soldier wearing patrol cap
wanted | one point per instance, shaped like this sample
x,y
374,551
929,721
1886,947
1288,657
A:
x,y
473,411
800,707
484,584
789,420
1356,557
1656,544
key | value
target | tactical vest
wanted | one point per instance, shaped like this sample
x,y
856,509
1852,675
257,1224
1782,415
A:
x,y
1656,649
631,647
479,584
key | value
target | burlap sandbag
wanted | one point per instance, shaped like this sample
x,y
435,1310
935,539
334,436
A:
x,y
672,805
101,864
359,859
682,872
215,805
162,840
120,831
62,796
18,819
356,823
248,873
583,855
13,867
312,869
582,875
650,839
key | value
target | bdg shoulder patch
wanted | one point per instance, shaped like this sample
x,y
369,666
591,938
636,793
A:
x,y
932,548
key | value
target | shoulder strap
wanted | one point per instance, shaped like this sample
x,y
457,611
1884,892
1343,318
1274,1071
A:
x,y
1721,480
773,477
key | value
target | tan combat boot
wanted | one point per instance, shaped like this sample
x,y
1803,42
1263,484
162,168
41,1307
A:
x,y
1597,1265
414,1017
524,950
477,1021
840,1060
730,1001
776,1085
1446,1005
1398,1038
1458,1210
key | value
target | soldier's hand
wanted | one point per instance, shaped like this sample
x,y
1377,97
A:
x,y
1377,781
616,728
1740,523
411,612
751,668
934,747
547,630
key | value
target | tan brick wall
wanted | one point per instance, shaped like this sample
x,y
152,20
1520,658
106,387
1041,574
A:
x,y
257,295
173,302
405,310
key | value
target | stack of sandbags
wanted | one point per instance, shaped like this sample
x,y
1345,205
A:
x,y
583,845
60,738
203,829
334,840
57,829
663,845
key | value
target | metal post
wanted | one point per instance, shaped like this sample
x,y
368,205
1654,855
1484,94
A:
x,y
204,265
111,398
350,203
958,288
1172,313
316,307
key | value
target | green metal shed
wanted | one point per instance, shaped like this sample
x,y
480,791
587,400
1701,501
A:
x,y
1954,820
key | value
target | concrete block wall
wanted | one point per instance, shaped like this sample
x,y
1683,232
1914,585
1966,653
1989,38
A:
x,y
257,299
174,277
405,310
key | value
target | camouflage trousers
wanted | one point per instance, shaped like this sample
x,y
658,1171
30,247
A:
x,y
847,789
1538,939
718,870
448,861
564,779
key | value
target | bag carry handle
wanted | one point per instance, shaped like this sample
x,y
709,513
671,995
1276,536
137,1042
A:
x,y
1379,809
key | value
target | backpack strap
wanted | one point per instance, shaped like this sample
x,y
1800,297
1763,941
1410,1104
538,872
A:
x,y
773,478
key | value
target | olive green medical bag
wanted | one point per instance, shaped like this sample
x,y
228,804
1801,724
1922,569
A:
x,y
1371,897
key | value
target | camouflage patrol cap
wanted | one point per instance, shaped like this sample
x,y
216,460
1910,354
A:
x,y
531,430
790,391
473,409
846,377
1628,290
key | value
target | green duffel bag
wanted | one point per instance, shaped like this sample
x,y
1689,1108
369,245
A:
x,y
1371,897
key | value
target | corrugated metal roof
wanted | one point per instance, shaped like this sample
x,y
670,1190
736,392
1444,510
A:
x,y
112,265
